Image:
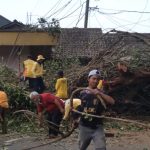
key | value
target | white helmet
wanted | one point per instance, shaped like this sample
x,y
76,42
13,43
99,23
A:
x,y
34,93
94,72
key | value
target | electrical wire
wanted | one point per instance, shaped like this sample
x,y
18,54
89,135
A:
x,y
80,17
118,25
124,27
59,10
55,6
71,12
65,12
121,11
140,16
97,20
133,22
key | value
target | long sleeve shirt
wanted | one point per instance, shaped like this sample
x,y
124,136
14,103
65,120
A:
x,y
38,70
61,88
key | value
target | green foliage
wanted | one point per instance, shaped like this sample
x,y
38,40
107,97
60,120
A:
x,y
7,75
122,126
54,65
18,97
24,124
52,27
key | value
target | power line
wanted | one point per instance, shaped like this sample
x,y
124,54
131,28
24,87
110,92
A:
x,y
121,11
56,5
118,25
80,14
140,15
71,23
80,19
71,12
66,11
98,20
62,8
133,22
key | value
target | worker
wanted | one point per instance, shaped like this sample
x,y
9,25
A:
x,y
3,109
53,106
91,128
61,86
76,103
27,71
100,84
38,72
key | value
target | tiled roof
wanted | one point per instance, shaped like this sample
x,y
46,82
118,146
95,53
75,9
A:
x,y
4,21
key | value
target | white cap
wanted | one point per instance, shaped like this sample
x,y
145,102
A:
x,y
94,72
34,93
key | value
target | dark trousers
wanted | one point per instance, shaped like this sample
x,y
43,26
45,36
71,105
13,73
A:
x,y
39,85
3,120
54,117
31,82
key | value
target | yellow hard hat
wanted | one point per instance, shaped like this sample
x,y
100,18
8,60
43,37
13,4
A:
x,y
40,57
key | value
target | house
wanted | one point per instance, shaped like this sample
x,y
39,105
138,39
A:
x,y
17,42
4,21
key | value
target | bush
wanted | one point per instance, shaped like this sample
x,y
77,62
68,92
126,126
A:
x,y
18,97
53,66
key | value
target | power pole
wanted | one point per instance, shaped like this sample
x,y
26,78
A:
x,y
86,14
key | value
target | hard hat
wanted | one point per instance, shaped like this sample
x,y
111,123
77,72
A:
x,y
40,57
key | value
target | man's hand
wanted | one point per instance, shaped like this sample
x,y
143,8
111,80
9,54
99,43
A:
x,y
95,91
106,98
40,120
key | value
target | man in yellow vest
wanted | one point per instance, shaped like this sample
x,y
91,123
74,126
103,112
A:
x,y
76,103
61,86
3,107
38,72
27,71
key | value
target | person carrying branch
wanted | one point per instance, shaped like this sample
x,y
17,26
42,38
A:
x,y
91,128
53,106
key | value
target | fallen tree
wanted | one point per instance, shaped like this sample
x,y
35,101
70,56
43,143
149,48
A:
x,y
121,46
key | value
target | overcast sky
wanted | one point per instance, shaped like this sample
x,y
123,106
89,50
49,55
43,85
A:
x,y
71,13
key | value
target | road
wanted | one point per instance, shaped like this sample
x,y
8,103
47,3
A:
x,y
121,141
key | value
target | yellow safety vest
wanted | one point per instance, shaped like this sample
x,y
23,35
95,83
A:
x,y
28,68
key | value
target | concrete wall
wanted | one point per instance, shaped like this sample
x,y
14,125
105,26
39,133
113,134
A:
x,y
9,55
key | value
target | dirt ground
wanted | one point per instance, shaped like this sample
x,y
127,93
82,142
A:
x,y
120,141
